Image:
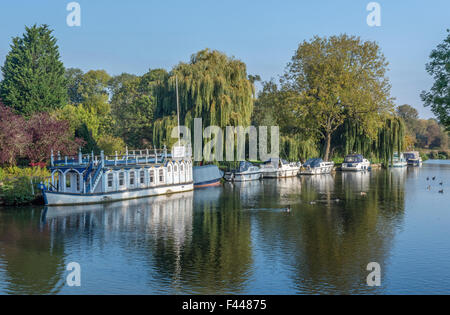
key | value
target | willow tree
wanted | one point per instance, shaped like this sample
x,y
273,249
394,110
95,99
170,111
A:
x,y
273,108
335,79
211,86
390,138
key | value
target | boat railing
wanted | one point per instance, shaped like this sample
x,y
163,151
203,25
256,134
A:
x,y
128,158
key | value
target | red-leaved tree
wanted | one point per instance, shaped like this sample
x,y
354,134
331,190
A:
x,y
14,140
48,133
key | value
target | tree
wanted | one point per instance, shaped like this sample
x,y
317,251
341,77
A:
x,y
13,138
133,108
74,77
33,75
408,113
118,81
335,79
439,95
48,133
211,86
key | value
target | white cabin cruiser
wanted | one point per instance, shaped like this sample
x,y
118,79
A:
x,y
355,162
413,158
278,168
246,172
398,160
316,166
87,179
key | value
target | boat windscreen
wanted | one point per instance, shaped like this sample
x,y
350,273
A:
x,y
353,159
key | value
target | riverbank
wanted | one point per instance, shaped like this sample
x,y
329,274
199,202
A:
x,y
19,186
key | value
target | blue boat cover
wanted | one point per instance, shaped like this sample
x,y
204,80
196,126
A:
x,y
313,162
207,173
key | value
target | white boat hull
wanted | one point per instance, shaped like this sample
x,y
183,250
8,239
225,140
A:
x,y
65,199
316,170
281,173
355,167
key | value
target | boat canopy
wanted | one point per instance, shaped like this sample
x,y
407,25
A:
x,y
411,155
206,173
273,161
315,162
244,166
354,158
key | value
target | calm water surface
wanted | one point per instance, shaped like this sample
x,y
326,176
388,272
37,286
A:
x,y
237,239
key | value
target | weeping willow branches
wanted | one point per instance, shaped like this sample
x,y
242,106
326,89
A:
x,y
212,86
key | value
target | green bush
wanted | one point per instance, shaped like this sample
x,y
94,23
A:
x,y
17,191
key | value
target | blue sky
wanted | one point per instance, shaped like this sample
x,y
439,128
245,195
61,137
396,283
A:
x,y
134,36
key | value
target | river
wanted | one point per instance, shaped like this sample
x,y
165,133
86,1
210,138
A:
x,y
239,239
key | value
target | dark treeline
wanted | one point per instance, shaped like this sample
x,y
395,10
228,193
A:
x,y
333,99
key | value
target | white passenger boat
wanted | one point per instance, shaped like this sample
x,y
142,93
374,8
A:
x,y
87,179
355,162
413,158
278,168
246,172
398,160
316,166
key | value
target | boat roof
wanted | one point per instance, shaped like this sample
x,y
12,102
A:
x,y
314,162
206,173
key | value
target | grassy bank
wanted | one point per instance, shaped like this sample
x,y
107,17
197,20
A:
x,y
19,186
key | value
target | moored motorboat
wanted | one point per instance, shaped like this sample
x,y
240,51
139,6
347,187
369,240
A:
x,y
355,162
246,172
413,158
316,166
278,168
398,160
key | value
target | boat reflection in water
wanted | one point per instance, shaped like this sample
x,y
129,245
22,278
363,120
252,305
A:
x,y
356,182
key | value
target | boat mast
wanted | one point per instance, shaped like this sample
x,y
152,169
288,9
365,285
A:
x,y
178,109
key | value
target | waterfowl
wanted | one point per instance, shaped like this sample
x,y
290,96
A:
x,y
440,183
434,177
441,191
428,178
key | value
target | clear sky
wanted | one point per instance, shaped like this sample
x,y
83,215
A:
x,y
134,36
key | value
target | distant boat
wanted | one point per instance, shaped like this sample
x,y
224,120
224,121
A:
x,y
316,166
413,158
278,168
246,172
355,162
398,160
206,176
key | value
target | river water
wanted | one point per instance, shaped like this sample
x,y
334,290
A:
x,y
238,239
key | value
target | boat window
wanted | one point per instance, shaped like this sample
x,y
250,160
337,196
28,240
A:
x,y
161,176
78,182
110,180
182,167
152,175
175,169
68,183
142,177
169,169
132,178
353,159
121,179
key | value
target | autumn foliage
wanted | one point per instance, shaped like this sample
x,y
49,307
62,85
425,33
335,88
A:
x,y
34,138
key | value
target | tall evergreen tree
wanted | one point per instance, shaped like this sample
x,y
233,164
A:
x,y
33,74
